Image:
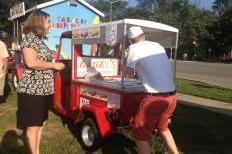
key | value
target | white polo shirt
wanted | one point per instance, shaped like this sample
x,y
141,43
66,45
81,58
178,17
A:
x,y
151,63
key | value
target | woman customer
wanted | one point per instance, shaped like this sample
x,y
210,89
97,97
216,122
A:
x,y
36,86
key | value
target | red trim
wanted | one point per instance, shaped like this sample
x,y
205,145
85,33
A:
x,y
19,71
75,96
76,53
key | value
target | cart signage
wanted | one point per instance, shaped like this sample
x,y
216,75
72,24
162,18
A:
x,y
106,66
68,22
17,10
111,34
95,93
113,99
83,102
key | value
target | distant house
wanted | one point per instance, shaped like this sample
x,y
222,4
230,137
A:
x,y
64,15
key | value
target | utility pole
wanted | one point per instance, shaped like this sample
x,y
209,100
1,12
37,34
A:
x,y
111,6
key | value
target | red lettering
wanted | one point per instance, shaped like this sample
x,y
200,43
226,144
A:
x,y
59,25
63,19
65,25
68,19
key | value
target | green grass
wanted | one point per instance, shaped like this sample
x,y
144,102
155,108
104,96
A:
x,y
196,131
57,138
200,131
204,90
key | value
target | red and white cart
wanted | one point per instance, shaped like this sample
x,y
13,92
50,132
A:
x,y
99,107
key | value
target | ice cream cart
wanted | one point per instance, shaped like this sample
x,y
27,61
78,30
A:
x,y
93,90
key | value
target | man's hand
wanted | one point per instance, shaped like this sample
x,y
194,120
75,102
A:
x,y
130,72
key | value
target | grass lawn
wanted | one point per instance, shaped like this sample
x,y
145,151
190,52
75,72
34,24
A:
x,y
197,131
204,90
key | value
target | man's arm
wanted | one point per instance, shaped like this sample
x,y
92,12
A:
x,y
5,65
131,62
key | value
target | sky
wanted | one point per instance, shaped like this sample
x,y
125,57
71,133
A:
x,y
202,3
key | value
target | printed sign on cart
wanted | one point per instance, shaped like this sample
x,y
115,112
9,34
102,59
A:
x,y
111,34
83,102
106,66
113,100
86,33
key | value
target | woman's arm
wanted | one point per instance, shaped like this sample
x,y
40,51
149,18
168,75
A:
x,y
31,61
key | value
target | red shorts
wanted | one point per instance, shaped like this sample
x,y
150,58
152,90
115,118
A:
x,y
154,112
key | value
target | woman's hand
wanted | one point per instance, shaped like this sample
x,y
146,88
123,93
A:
x,y
58,66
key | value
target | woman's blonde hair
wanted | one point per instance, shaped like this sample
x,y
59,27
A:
x,y
36,23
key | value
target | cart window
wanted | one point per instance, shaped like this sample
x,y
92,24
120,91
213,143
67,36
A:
x,y
98,50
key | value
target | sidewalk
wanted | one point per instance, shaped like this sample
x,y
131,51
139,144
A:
x,y
213,105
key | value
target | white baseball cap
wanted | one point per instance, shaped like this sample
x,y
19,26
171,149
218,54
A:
x,y
134,31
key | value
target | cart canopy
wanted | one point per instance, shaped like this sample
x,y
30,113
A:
x,y
112,32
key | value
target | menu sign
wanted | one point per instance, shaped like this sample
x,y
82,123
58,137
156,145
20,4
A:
x,y
86,33
106,66
111,34
17,10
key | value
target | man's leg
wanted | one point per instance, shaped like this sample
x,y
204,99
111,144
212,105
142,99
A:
x,y
168,138
143,147
146,117
31,137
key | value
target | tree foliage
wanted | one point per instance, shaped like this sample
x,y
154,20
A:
x,y
188,18
118,8
222,32
200,30
6,26
219,6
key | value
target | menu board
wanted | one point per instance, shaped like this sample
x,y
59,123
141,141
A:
x,y
86,33
111,34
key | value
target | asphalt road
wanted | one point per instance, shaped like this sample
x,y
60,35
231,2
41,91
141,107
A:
x,y
213,73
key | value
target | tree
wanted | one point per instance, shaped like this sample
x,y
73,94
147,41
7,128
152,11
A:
x,y
5,24
118,9
222,32
219,6
191,21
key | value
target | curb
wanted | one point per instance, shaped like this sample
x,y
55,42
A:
x,y
209,104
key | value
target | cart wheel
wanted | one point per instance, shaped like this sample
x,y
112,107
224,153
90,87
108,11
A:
x,y
89,135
